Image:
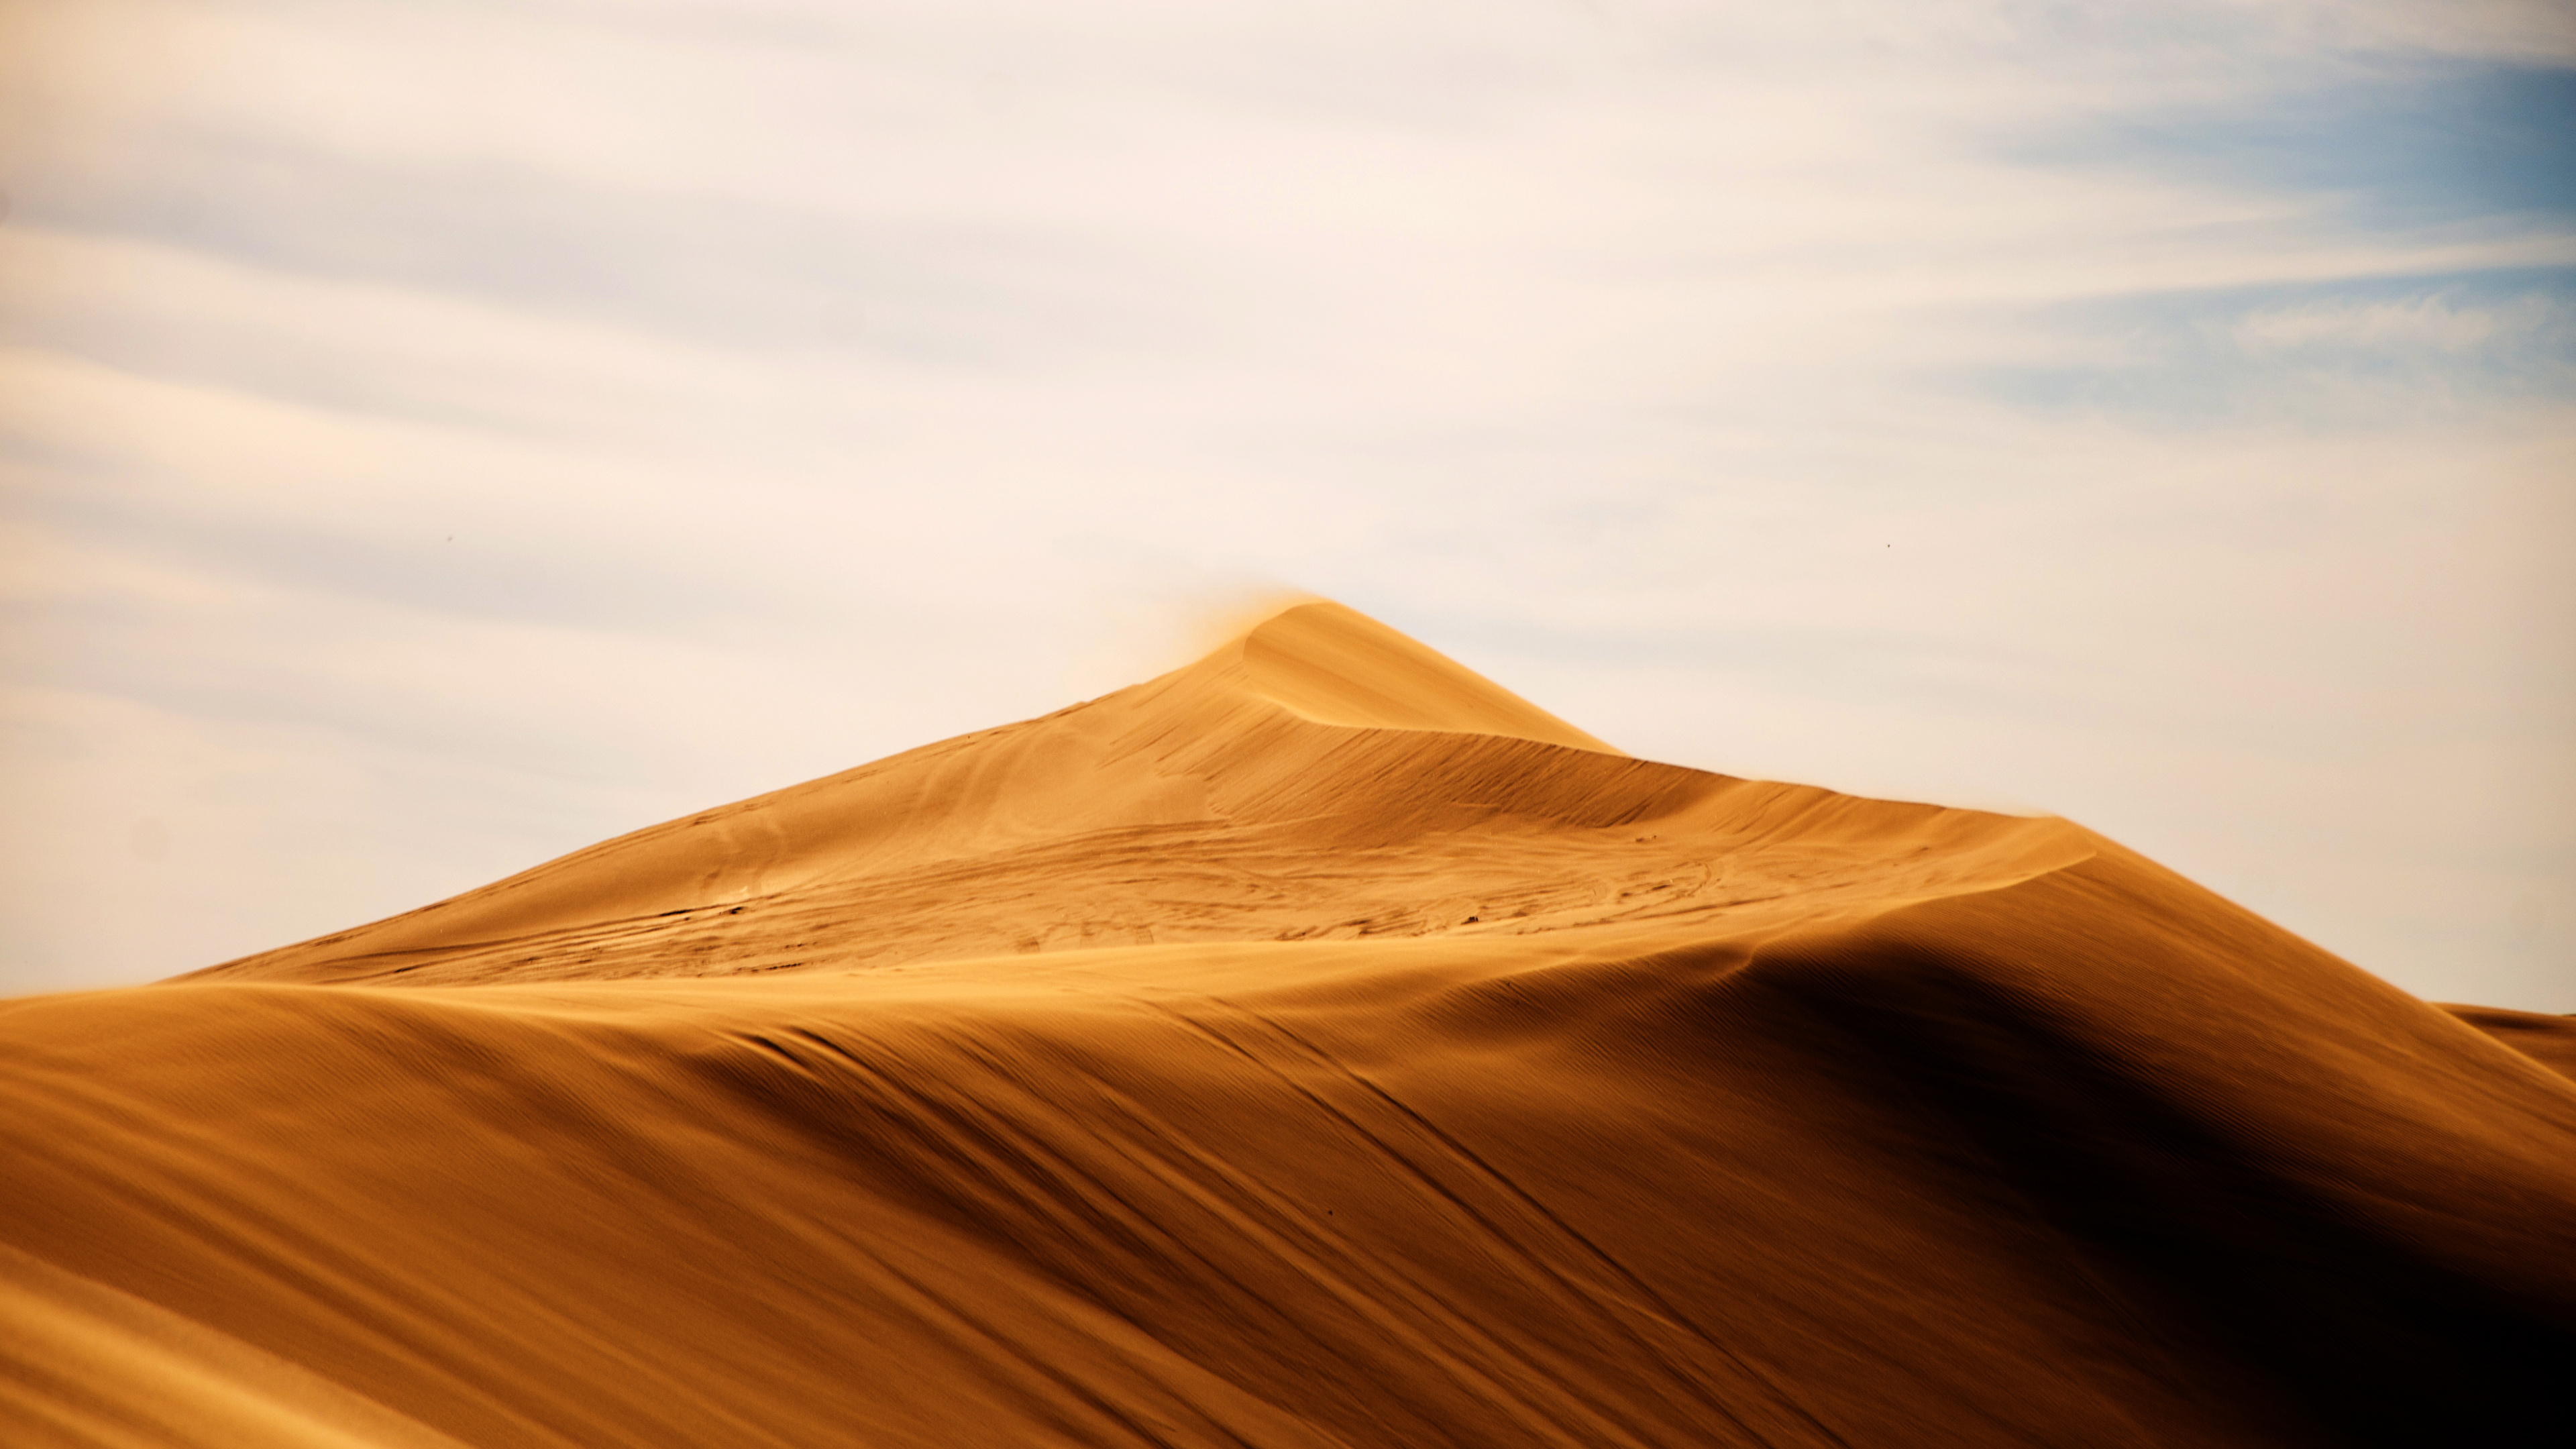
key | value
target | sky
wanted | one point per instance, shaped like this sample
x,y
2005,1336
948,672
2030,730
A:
x,y
437,436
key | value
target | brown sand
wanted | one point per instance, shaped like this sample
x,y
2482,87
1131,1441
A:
x,y
1314,1046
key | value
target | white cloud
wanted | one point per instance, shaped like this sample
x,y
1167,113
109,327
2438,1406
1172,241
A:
x,y
2412,324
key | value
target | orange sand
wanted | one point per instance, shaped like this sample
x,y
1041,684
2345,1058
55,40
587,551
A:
x,y
1315,1046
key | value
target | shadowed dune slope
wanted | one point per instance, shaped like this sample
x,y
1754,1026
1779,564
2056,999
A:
x,y
1315,1046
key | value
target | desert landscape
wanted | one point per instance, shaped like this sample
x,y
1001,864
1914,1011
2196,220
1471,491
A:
x,y
1317,1045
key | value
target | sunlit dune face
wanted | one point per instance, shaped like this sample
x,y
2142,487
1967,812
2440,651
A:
x,y
1373,788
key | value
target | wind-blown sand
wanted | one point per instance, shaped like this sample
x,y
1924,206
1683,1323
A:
x,y
1314,1046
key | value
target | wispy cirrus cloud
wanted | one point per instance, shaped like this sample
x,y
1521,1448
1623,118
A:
x,y
2436,323
2372,355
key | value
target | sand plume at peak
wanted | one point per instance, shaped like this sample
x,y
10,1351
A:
x,y
1316,1045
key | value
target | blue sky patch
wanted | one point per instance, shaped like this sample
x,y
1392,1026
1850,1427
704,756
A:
x,y
2426,145
2380,349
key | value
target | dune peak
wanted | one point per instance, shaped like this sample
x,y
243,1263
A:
x,y
1332,664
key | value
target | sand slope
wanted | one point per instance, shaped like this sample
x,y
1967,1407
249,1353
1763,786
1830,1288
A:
x,y
1320,777
1315,1046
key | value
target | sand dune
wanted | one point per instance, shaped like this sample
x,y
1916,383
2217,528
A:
x,y
1314,1046
1321,777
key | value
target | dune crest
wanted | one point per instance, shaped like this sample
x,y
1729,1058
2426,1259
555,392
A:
x,y
1314,1046
1371,786
1336,666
